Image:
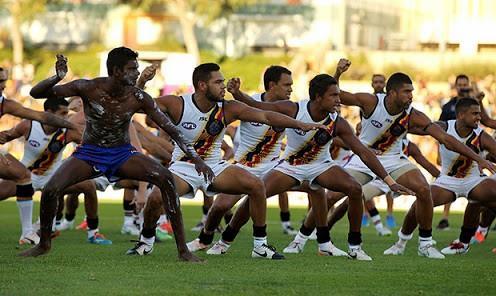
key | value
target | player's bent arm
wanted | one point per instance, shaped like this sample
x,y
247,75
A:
x,y
20,130
345,132
48,88
286,107
486,120
244,112
420,120
228,151
152,110
414,151
488,143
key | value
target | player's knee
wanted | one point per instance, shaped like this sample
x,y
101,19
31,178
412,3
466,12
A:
x,y
257,187
22,176
154,201
423,193
354,190
52,190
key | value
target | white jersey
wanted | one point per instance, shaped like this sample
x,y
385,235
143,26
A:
x,y
383,132
310,147
454,164
258,143
42,152
204,131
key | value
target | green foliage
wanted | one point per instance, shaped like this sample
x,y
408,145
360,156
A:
x,y
75,267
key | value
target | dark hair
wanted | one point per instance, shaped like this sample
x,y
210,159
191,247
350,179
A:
x,y
319,85
378,75
463,104
461,76
273,74
202,72
54,103
396,81
119,57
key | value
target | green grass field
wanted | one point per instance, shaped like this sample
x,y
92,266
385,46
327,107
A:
x,y
75,267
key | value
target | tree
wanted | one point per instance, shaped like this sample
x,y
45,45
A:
x,y
189,12
20,11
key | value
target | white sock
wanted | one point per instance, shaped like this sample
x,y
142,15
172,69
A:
x,y
285,224
128,220
92,232
54,223
424,241
149,241
483,229
324,246
403,238
377,222
26,215
258,241
301,238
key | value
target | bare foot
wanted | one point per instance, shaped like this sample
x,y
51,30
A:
x,y
189,257
35,251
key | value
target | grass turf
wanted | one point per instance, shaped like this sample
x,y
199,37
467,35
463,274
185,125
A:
x,y
75,267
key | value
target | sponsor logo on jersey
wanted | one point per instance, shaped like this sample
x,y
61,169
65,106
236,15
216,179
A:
x,y
188,125
376,123
299,131
202,118
256,123
34,143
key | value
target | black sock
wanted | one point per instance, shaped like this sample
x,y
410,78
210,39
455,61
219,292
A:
x,y
148,232
323,235
466,234
373,212
69,217
260,231
128,206
285,216
306,231
58,217
206,239
92,223
205,210
229,234
425,233
354,238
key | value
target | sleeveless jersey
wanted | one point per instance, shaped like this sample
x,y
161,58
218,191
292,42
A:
x,y
258,143
310,147
42,152
383,132
454,164
204,131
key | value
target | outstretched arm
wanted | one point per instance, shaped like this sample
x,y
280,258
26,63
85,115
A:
x,y
151,109
20,130
420,121
345,132
16,109
414,151
244,112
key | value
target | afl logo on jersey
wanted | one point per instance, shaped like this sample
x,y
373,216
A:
x,y
34,143
256,123
299,132
188,125
376,123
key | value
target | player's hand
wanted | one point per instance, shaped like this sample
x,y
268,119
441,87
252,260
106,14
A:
x,y
228,153
310,126
4,137
484,164
148,73
139,201
61,66
343,66
234,85
202,168
4,159
398,188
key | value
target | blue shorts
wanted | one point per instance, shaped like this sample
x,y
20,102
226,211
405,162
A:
x,y
105,161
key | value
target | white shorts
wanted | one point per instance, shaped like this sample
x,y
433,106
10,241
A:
x,y
260,170
305,172
187,172
39,181
391,163
374,188
102,183
461,187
